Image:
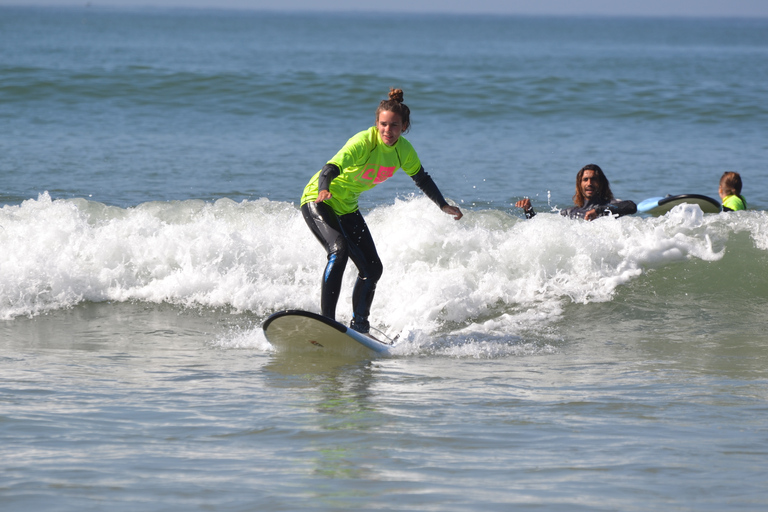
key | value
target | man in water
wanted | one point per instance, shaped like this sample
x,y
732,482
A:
x,y
593,198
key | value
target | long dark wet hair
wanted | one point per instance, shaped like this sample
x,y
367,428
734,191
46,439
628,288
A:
x,y
605,188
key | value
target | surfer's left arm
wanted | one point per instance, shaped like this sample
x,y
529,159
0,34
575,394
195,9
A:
x,y
620,208
616,208
427,185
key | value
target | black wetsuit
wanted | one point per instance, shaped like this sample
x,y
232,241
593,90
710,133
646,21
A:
x,y
604,207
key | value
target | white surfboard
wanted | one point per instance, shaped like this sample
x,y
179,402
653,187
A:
x,y
305,332
658,206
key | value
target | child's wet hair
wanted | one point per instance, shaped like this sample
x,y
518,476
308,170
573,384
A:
x,y
730,183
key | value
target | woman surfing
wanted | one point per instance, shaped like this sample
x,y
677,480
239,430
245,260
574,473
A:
x,y
330,203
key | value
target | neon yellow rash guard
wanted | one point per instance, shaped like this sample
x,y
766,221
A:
x,y
735,202
364,161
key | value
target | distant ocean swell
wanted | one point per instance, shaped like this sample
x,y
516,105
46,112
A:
x,y
295,94
258,256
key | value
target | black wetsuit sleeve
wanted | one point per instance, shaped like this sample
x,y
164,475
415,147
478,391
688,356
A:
x,y
529,213
621,208
615,207
327,174
427,185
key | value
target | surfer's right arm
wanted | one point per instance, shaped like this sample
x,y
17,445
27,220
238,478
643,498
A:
x,y
525,204
327,174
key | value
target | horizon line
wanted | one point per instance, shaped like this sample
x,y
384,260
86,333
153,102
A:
x,y
373,11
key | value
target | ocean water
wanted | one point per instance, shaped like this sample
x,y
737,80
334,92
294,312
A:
x,y
152,162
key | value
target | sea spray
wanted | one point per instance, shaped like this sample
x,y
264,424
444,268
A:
x,y
491,272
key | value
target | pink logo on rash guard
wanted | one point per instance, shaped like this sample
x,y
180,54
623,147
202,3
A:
x,y
383,175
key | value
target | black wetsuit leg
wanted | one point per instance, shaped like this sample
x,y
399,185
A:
x,y
324,224
343,237
363,252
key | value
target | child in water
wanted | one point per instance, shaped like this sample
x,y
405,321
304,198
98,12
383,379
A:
x,y
730,192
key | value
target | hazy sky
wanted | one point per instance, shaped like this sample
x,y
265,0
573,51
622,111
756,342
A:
x,y
738,8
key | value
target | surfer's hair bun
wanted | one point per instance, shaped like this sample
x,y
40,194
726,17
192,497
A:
x,y
395,104
396,95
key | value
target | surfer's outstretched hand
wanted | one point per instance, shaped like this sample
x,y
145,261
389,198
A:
x,y
525,204
453,210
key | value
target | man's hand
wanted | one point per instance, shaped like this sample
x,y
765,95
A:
x,y
525,204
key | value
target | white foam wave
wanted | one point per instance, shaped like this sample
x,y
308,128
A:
x,y
489,273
